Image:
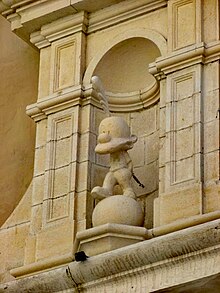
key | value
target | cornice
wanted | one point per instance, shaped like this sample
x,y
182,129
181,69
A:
x,y
9,6
44,21
196,54
179,255
58,29
79,95
119,13
54,103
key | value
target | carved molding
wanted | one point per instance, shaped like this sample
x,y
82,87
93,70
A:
x,y
120,13
185,23
183,128
55,102
59,29
183,58
65,19
175,258
60,165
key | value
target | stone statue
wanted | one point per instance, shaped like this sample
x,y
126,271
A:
x,y
115,139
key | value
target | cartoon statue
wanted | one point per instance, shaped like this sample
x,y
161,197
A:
x,y
115,139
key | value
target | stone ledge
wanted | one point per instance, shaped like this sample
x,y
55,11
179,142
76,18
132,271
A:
x,y
176,258
195,54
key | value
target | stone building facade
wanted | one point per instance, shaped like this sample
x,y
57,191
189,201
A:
x,y
159,63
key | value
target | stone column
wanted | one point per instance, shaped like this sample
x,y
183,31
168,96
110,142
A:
x,y
63,160
189,130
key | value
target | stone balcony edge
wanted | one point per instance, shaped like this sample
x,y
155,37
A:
x,y
165,251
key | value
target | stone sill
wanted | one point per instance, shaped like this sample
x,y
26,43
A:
x,y
189,250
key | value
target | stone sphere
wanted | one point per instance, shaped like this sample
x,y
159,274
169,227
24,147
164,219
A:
x,y
118,209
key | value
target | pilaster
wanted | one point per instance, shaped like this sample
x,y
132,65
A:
x,y
189,127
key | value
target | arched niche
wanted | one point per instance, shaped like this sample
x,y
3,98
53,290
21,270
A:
x,y
122,64
127,63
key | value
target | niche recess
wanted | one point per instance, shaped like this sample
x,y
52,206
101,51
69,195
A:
x,y
134,93
124,73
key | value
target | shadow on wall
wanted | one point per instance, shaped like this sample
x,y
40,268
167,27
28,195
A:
x,y
18,88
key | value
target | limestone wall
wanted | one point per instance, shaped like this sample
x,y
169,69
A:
x,y
18,88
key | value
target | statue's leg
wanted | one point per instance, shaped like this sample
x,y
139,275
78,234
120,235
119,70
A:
x,y
109,182
123,177
106,190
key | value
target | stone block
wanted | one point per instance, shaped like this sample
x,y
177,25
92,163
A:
x,y
184,113
58,207
210,18
73,178
183,170
211,166
38,189
211,105
83,176
64,62
137,153
36,219
3,249
81,225
87,143
149,210
144,122
41,133
162,179
212,197
182,29
156,212
180,204
39,162
98,116
55,239
44,73
63,152
184,146
162,151
163,93
86,119
61,181
64,128
81,200
211,136
152,148
211,77
30,249
16,238
148,175
162,128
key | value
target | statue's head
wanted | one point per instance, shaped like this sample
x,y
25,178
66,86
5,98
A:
x,y
114,135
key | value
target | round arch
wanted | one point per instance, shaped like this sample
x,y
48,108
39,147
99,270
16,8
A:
x,y
151,35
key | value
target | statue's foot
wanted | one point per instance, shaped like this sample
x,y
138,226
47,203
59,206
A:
x,y
130,193
131,196
100,193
